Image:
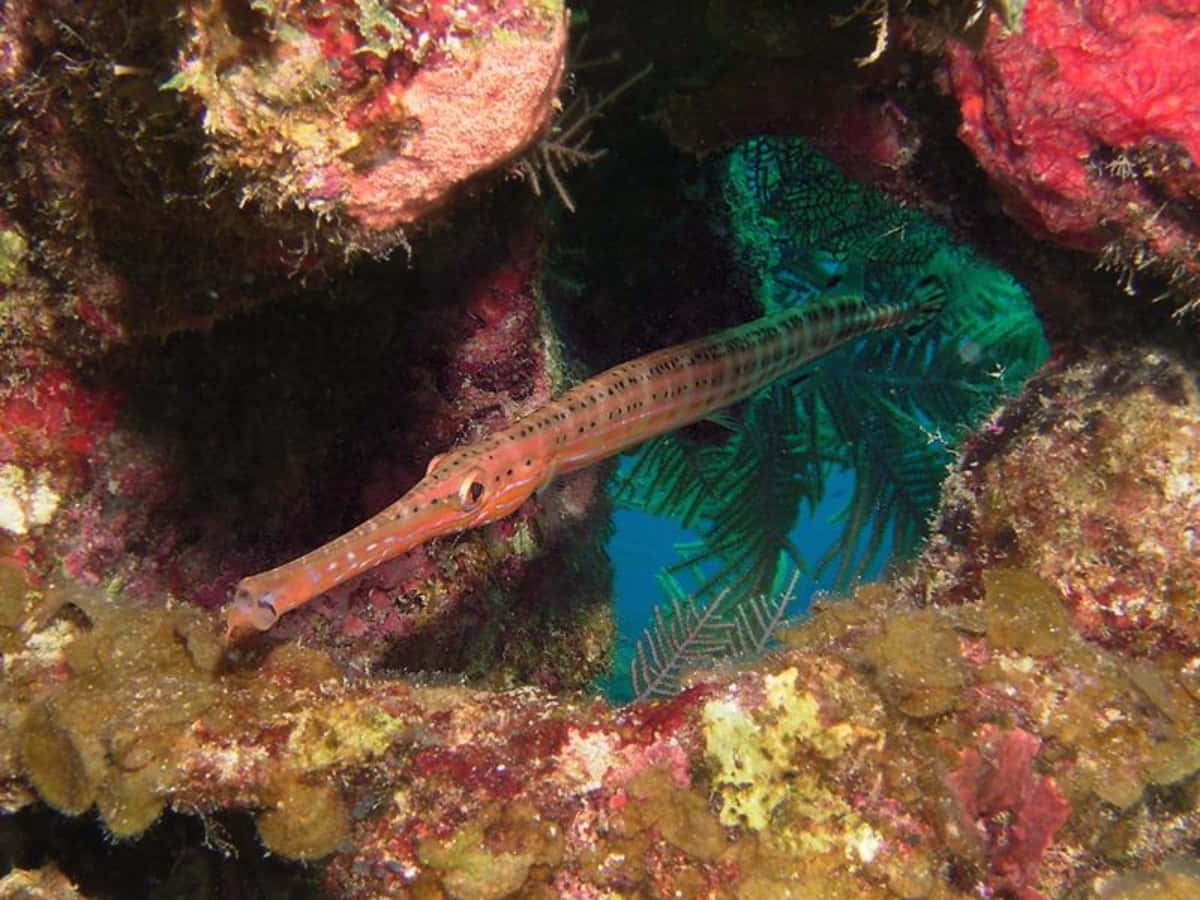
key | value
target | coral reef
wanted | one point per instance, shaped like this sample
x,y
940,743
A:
x,y
1018,716
1060,482
107,232
170,469
370,114
1086,118
46,883
961,732
296,136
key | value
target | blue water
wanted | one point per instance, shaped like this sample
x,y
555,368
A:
x,y
643,545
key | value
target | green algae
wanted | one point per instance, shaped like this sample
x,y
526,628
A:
x,y
835,622
306,821
1130,725
470,870
1178,879
14,603
138,678
382,31
83,744
341,734
1023,613
54,762
680,815
917,663
14,596
493,854
13,248
785,754
129,803
111,735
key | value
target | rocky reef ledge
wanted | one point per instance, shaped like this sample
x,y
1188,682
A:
x,y
1018,715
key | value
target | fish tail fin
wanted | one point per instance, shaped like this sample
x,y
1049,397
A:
x,y
927,296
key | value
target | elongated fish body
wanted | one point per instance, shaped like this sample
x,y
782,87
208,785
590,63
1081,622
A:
x,y
604,415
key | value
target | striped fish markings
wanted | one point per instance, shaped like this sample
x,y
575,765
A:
x,y
615,410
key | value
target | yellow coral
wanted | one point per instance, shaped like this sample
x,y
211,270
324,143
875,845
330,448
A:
x,y
349,732
759,754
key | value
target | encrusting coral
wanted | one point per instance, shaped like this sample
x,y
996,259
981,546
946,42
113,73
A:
x,y
1020,752
167,165
1084,115
371,113
1061,481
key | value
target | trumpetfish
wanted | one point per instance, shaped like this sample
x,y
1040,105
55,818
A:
x,y
611,412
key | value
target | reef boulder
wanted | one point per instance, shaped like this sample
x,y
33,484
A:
x,y
370,114
1087,119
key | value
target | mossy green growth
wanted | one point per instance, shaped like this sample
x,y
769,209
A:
x,y
1128,726
383,33
349,732
53,760
552,11
77,750
491,856
918,663
306,821
138,679
14,601
129,802
1176,880
1023,613
678,813
13,248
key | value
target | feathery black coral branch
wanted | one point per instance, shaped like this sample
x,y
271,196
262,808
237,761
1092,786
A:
x,y
887,409
565,146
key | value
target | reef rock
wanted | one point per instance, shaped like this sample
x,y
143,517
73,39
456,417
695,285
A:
x,y
374,114
976,728
1087,119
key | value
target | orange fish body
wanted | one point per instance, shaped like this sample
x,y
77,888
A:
x,y
604,415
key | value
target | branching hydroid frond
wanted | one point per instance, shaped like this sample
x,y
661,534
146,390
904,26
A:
x,y
686,635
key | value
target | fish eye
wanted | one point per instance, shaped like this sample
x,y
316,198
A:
x,y
471,491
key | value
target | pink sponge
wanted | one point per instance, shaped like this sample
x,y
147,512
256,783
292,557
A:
x,y
371,115
1088,121
1015,813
